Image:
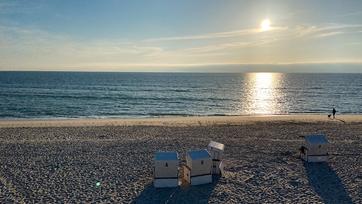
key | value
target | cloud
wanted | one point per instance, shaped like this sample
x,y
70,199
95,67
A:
x,y
205,36
233,45
228,34
330,34
326,30
28,38
253,38
21,47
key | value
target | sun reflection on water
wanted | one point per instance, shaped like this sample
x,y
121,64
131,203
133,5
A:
x,y
261,94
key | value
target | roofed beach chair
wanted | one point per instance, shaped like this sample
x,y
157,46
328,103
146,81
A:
x,y
166,169
315,149
216,151
198,170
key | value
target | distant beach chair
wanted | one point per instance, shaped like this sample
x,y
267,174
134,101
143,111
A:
x,y
315,149
166,168
216,151
198,170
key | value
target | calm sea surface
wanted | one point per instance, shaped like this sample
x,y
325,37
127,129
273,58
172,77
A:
x,y
133,95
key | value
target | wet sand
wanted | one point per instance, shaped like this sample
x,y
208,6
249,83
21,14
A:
x,y
64,160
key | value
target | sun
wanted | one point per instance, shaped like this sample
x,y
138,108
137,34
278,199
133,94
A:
x,y
265,25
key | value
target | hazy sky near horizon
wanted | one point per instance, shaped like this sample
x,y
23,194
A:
x,y
169,35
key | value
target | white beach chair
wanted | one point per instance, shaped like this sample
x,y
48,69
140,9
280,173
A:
x,y
216,151
166,169
198,167
315,149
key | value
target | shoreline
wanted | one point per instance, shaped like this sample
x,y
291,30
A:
x,y
175,121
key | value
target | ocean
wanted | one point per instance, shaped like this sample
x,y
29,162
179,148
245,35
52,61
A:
x,y
39,95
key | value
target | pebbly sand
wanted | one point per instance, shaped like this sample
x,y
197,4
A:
x,y
110,160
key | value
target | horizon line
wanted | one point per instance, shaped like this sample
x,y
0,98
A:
x,y
180,72
67,68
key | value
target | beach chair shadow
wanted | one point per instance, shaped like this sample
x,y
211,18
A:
x,y
183,194
326,183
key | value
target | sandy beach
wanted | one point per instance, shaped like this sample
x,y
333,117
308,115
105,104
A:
x,y
110,160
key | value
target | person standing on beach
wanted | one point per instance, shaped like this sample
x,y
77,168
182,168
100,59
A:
x,y
334,113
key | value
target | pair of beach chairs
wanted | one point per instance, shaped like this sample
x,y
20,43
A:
x,y
315,149
198,168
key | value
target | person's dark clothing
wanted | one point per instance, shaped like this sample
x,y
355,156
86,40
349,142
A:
x,y
334,112
302,149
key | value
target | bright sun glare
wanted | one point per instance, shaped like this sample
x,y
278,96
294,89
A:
x,y
265,25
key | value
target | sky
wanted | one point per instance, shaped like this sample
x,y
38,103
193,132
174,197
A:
x,y
187,35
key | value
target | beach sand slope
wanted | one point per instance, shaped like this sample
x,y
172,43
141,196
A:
x,y
111,160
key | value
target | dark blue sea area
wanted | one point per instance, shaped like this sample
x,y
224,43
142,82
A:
x,y
33,95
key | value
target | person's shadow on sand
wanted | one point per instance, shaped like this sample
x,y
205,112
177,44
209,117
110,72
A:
x,y
189,194
326,183
330,118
